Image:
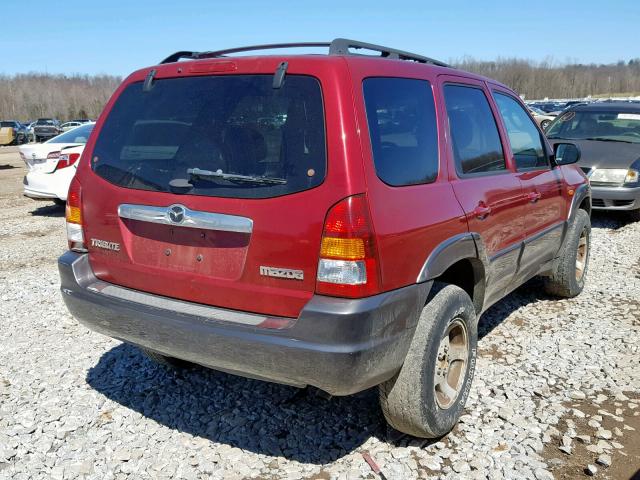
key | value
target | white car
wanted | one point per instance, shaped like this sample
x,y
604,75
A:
x,y
53,164
70,126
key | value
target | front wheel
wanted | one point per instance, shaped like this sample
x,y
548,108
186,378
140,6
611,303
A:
x,y
570,269
427,396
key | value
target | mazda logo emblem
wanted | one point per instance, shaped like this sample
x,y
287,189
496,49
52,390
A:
x,y
176,213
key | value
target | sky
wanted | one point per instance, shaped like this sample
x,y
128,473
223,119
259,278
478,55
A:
x,y
117,37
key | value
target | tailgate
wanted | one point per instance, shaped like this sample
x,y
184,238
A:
x,y
261,259
210,190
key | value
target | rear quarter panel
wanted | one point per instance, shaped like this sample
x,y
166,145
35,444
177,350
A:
x,y
409,221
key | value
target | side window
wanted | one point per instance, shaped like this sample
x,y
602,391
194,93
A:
x,y
524,137
402,124
474,133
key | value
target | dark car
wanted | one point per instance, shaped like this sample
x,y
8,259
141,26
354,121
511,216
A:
x,y
20,133
336,220
46,128
608,135
548,107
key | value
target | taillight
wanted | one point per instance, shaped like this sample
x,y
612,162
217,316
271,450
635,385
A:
x,y
73,216
53,155
348,265
66,160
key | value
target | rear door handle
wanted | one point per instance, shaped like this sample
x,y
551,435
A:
x,y
482,211
533,197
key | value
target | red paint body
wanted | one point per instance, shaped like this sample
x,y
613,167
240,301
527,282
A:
x,y
408,222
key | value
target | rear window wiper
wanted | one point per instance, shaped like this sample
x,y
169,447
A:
x,y
233,177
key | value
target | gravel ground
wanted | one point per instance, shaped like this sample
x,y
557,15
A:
x,y
556,392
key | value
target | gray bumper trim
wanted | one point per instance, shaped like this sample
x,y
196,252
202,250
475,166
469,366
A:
x,y
609,195
339,345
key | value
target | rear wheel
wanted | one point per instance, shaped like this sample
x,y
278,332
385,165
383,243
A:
x,y
165,361
570,270
427,396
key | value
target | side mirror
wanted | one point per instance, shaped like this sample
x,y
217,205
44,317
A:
x,y
566,153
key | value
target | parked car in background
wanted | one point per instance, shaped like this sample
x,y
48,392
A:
x,y
543,119
608,135
547,107
41,184
46,128
48,163
31,137
316,220
70,125
20,133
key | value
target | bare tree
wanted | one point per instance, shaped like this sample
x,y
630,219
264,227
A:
x,y
537,80
33,95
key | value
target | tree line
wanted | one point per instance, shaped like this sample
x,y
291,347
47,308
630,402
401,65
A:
x,y
539,80
35,95
31,96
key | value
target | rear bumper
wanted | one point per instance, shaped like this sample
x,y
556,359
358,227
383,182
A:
x,y
615,198
48,185
341,346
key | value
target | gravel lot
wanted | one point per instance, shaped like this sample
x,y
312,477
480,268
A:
x,y
557,386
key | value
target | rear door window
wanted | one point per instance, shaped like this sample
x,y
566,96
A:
x,y
524,137
475,139
224,136
403,128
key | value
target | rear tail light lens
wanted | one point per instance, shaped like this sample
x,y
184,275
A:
x,y
53,156
73,216
66,160
348,265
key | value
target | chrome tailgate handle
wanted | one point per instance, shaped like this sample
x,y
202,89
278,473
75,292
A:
x,y
180,216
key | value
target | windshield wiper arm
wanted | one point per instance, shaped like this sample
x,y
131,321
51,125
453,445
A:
x,y
233,177
602,139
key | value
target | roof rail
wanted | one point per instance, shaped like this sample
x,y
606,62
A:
x,y
339,46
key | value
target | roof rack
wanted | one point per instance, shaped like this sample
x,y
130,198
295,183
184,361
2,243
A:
x,y
339,46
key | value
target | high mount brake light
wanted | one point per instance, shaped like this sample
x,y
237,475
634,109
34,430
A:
x,y
348,265
66,160
73,216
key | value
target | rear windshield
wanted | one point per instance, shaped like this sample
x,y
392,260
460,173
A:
x,y
224,136
597,125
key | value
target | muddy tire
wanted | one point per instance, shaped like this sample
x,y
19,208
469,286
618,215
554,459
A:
x,y
427,396
165,361
570,269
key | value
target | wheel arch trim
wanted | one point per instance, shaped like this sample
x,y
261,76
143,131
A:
x,y
582,192
459,247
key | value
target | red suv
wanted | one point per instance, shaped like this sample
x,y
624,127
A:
x,y
339,220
